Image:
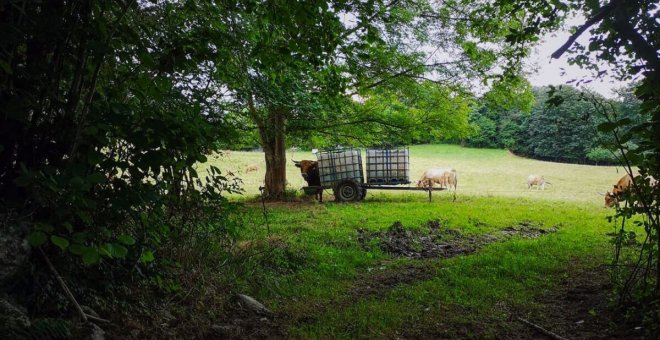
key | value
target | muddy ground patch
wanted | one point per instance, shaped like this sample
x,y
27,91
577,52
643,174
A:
x,y
430,241
433,240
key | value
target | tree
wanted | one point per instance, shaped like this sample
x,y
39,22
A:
x,y
565,132
497,119
103,118
292,71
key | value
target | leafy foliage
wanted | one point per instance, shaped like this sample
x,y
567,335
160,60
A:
x,y
103,121
562,126
293,78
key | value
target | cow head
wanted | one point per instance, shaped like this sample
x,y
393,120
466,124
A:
x,y
424,183
610,199
310,171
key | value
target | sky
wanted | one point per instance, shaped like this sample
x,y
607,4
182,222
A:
x,y
550,70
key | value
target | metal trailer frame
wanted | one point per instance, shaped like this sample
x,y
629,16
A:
x,y
318,190
355,189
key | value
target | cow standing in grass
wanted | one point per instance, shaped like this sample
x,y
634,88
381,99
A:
x,y
537,180
445,177
622,185
310,173
612,198
251,168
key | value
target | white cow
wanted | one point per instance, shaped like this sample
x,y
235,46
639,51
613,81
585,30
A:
x,y
445,177
537,180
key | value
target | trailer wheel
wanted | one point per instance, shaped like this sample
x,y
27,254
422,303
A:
x,y
348,191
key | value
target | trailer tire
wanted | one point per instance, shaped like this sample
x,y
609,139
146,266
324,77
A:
x,y
348,191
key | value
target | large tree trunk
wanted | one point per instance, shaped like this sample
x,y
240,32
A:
x,y
273,143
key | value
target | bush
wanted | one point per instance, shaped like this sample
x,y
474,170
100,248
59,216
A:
x,y
601,156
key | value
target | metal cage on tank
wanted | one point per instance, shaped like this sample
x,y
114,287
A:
x,y
388,166
336,166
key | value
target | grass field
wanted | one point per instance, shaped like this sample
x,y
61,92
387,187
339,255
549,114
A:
x,y
481,172
311,265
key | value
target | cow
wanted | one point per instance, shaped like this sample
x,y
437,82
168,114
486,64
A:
x,y
309,171
624,184
612,198
251,168
446,178
537,180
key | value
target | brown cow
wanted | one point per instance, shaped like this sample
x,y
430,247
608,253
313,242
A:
x,y
310,172
611,198
251,168
624,183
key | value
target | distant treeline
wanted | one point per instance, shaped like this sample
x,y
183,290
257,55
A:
x,y
518,118
564,132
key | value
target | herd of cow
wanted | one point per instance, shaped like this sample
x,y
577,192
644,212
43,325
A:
x,y
448,178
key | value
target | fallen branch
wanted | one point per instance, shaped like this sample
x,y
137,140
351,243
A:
x,y
66,290
541,329
96,318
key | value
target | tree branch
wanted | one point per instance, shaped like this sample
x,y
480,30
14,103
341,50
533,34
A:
x,y
600,15
638,43
369,19
64,287
404,73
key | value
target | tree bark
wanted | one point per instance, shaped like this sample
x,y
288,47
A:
x,y
273,141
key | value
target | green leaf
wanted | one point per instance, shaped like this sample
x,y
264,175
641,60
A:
x,y
85,217
607,127
77,249
118,251
105,250
126,239
147,256
37,238
68,227
61,242
5,67
79,237
45,227
90,256
77,182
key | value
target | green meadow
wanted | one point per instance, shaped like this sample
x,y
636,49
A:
x,y
481,172
307,262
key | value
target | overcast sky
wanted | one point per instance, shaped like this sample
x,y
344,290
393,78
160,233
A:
x,y
550,70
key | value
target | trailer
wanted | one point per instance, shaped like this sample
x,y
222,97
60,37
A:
x,y
342,171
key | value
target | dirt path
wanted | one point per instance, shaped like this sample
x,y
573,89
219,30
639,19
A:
x,y
576,309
